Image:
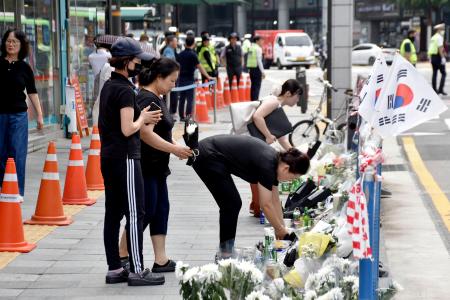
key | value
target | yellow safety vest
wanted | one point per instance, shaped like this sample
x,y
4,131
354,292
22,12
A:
x,y
433,48
413,56
252,58
202,59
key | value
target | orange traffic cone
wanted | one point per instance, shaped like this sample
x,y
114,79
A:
x,y
49,208
208,97
234,91
241,89
248,84
12,238
75,190
94,178
201,109
226,92
219,93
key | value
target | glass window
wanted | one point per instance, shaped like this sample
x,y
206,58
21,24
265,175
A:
x,y
7,16
87,19
38,23
298,41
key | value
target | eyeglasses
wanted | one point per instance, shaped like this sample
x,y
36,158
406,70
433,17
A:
x,y
13,42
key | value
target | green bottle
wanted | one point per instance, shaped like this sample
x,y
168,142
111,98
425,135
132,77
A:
x,y
307,222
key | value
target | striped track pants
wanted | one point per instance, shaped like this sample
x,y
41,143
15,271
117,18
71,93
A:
x,y
124,196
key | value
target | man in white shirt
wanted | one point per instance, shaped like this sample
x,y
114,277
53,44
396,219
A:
x,y
436,52
255,66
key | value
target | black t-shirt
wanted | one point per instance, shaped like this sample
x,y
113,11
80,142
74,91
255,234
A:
x,y
246,157
154,161
117,93
15,78
233,56
188,61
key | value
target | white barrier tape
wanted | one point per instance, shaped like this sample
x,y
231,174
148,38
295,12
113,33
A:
x,y
10,177
96,137
10,198
76,163
95,152
51,157
50,176
75,147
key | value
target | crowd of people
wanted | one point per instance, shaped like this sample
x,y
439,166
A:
x,y
136,132
135,118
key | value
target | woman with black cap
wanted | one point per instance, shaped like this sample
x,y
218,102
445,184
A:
x,y
120,120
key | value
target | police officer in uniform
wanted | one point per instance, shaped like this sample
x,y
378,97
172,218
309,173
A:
x,y
233,58
207,57
255,67
436,52
407,48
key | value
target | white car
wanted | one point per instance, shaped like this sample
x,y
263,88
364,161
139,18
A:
x,y
365,54
293,49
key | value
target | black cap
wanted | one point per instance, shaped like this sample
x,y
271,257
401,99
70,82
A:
x,y
233,35
205,37
125,46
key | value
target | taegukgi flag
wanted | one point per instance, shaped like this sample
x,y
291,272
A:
x,y
371,90
406,100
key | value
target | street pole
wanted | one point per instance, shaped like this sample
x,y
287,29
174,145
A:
x,y
329,56
116,21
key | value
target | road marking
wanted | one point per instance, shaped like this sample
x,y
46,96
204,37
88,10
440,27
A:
x,y
421,133
34,233
440,201
447,122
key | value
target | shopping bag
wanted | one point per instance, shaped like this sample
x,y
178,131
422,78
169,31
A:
x,y
241,114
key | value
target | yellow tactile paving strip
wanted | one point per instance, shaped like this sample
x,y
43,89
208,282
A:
x,y
34,233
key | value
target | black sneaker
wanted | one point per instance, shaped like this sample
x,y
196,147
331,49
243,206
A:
x,y
145,278
168,267
112,278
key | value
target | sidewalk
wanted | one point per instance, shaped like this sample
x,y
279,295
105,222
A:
x,y
70,263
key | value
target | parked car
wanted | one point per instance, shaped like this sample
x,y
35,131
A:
x,y
287,48
365,54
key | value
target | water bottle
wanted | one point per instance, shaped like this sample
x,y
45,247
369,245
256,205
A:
x,y
262,217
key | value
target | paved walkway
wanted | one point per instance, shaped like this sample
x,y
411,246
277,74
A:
x,y
69,261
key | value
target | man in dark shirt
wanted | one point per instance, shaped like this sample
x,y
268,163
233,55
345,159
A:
x,y
188,61
232,58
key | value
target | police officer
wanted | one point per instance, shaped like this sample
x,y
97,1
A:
x,y
232,58
436,52
207,57
407,48
255,67
246,44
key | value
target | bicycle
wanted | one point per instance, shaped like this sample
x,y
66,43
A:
x,y
308,131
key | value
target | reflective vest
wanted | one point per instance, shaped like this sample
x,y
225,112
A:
x,y
246,46
252,58
413,54
433,48
202,59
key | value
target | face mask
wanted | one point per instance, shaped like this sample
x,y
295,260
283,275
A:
x,y
412,38
442,32
136,71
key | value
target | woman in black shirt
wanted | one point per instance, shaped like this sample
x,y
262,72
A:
x,y
155,82
16,76
119,121
255,162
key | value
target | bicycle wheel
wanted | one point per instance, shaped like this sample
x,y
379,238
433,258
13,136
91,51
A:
x,y
304,132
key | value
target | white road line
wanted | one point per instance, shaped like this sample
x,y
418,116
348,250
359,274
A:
x,y
421,133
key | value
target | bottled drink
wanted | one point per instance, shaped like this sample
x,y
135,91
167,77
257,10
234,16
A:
x,y
307,222
262,217
296,217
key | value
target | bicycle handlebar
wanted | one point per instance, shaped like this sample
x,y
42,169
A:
x,y
328,84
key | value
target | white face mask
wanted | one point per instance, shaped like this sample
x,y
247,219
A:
x,y
442,32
